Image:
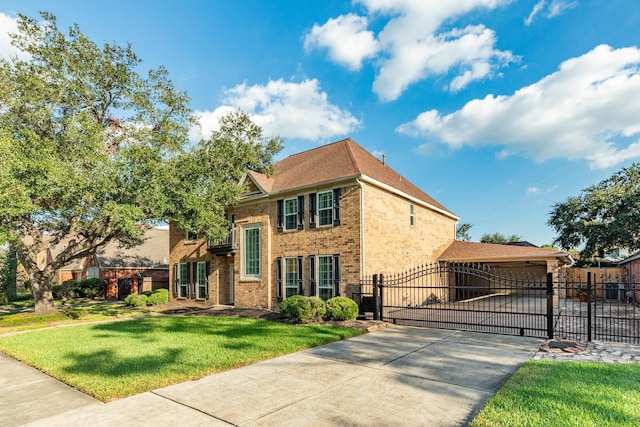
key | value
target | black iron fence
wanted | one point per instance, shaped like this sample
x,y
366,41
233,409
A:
x,y
515,301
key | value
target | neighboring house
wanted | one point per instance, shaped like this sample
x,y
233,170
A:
x,y
632,269
324,219
124,270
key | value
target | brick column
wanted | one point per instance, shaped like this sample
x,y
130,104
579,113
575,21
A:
x,y
111,291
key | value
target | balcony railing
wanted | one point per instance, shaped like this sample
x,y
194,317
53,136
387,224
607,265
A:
x,y
226,246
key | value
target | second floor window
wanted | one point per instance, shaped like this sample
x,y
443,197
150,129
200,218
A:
x,y
325,208
291,214
191,236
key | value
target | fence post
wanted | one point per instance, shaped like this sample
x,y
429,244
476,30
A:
x,y
589,306
375,297
550,305
381,301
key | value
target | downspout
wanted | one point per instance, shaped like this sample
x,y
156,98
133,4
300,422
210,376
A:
x,y
362,270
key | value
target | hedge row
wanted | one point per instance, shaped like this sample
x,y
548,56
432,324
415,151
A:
x,y
88,288
305,309
157,297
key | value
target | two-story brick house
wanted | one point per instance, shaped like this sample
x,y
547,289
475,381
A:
x,y
325,218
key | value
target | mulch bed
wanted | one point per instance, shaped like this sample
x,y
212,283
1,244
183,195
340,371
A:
x,y
186,308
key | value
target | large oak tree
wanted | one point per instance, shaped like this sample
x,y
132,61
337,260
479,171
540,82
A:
x,y
604,217
92,151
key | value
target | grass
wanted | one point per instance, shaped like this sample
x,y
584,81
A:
x,y
16,322
118,359
551,393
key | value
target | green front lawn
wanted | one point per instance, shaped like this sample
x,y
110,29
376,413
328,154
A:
x,y
118,359
556,394
73,314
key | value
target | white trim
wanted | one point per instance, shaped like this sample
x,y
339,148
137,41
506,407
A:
x,y
243,252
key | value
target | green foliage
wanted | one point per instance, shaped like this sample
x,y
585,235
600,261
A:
x,y
8,274
499,238
296,307
462,232
318,307
342,308
88,288
136,300
67,290
158,297
603,217
91,148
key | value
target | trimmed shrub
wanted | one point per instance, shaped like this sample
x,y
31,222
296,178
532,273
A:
x,y
136,300
341,308
296,307
147,293
67,290
158,297
318,307
91,288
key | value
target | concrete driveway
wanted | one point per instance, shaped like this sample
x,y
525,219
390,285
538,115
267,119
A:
x,y
400,376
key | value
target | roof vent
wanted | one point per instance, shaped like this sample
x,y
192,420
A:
x,y
384,156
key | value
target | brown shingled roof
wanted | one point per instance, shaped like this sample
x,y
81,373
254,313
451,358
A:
x,y
338,160
473,251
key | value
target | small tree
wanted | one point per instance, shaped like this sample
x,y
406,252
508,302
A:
x,y
462,232
604,217
500,238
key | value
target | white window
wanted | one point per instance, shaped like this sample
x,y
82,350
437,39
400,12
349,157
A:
x,y
328,275
93,272
183,280
291,214
190,236
251,251
291,276
325,208
412,215
202,281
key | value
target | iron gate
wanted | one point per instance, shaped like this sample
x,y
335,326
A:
x,y
483,298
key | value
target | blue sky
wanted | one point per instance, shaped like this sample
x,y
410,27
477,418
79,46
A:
x,y
498,109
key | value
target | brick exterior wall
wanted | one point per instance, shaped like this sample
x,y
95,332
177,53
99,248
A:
x,y
392,244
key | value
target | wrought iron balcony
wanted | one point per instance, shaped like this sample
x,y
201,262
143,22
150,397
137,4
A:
x,y
226,246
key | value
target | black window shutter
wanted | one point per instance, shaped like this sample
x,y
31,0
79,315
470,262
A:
x,y
280,214
336,275
312,275
194,279
279,278
176,279
312,210
300,290
188,284
336,205
208,268
300,212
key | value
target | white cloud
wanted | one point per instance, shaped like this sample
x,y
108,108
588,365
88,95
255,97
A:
x,y
550,10
346,38
533,190
291,110
588,109
7,25
419,41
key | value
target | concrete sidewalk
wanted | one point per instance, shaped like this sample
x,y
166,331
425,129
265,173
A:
x,y
399,376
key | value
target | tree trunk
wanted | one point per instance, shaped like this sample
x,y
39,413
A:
x,y
42,296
